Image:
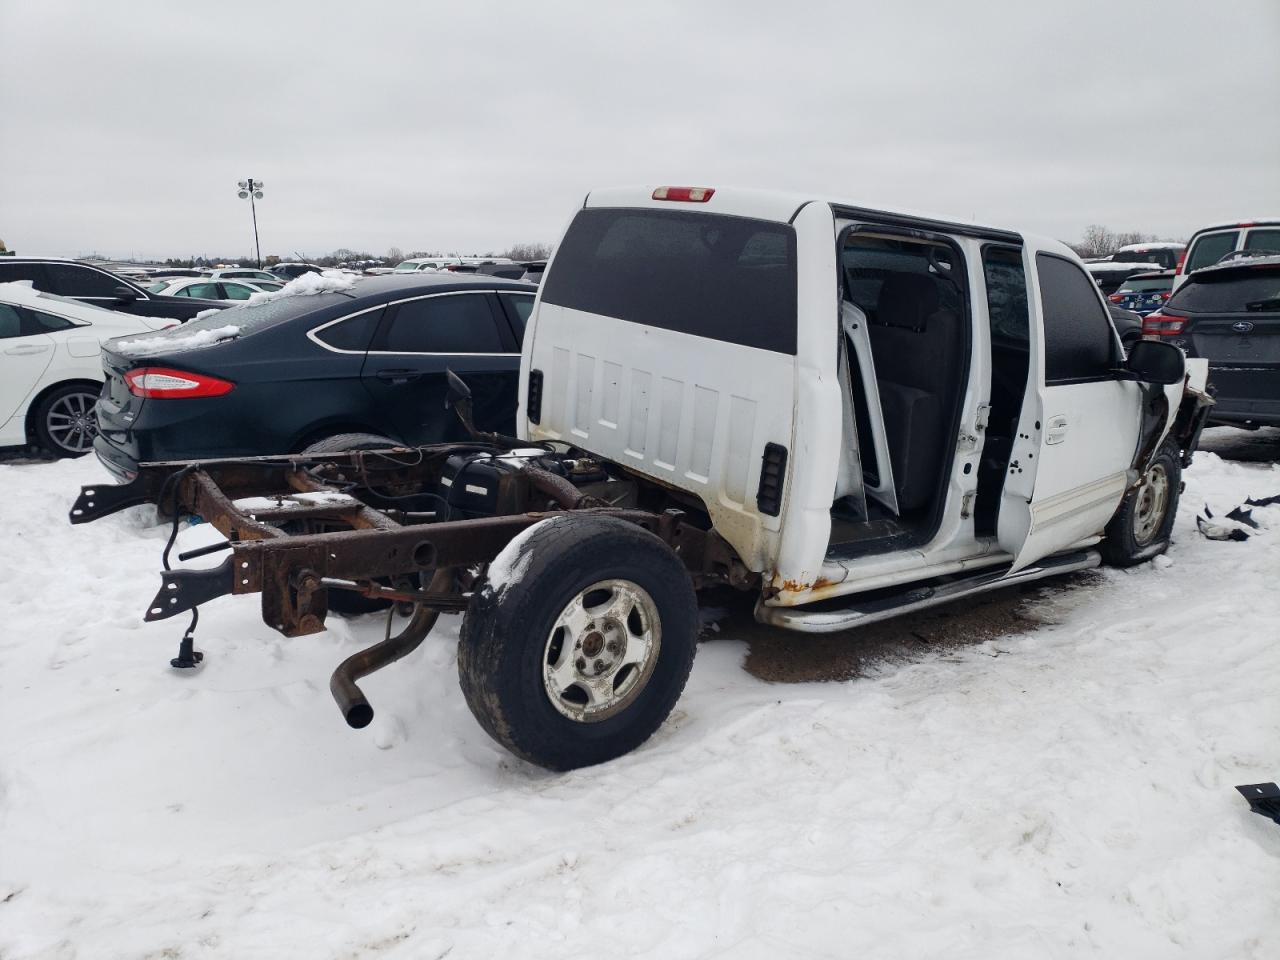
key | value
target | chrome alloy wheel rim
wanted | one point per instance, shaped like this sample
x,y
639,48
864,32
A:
x,y
601,650
70,422
1153,501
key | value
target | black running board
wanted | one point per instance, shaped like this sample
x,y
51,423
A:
x,y
920,596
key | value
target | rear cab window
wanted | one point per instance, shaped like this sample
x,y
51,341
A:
x,y
726,278
1209,248
1263,239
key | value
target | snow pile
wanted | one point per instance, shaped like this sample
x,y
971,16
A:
x,y
181,340
1061,793
309,284
1154,245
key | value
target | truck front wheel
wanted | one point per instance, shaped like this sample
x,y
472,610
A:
x,y
1142,526
576,647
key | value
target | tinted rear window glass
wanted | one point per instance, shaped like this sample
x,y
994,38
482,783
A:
x,y
1231,293
725,278
1078,337
1154,285
1210,248
250,319
460,323
1263,240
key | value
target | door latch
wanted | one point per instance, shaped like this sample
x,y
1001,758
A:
x,y
1055,430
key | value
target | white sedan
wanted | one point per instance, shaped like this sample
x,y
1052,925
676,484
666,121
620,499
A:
x,y
50,366
206,288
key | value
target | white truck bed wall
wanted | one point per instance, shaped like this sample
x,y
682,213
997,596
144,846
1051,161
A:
x,y
649,399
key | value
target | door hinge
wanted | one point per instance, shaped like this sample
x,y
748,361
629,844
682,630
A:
x,y
966,505
983,416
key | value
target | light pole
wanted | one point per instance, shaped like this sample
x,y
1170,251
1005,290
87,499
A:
x,y
251,190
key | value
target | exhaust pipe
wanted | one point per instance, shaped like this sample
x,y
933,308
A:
x,y
354,705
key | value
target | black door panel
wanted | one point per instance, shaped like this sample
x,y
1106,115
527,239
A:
x,y
419,341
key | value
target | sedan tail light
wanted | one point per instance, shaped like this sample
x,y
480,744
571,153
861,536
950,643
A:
x,y
1157,324
1115,297
165,383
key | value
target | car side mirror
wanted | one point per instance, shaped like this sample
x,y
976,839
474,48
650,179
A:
x,y
1155,361
125,294
458,396
458,389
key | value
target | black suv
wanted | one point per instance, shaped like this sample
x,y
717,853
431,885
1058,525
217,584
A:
x,y
1230,313
83,281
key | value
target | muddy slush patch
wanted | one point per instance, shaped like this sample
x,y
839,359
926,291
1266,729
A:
x,y
785,656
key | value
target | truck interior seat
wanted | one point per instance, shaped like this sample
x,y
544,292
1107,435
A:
x,y
918,354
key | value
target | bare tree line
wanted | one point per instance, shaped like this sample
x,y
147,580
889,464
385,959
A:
x,y
1101,241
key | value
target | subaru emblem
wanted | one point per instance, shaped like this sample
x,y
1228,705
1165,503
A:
x,y
1242,326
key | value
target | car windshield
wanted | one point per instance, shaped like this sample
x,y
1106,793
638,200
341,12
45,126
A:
x,y
1229,291
406,266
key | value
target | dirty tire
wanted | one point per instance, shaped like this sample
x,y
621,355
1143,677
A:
x,y
344,602
508,632
1141,527
342,442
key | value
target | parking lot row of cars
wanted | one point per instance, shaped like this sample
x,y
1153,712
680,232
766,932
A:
x,y
380,371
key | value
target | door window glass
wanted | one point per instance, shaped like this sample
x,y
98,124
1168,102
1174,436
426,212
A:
x,y
202,291
1210,248
1006,295
10,322
1079,342
236,291
444,324
74,280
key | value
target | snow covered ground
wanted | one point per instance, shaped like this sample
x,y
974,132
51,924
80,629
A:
x,y
1061,793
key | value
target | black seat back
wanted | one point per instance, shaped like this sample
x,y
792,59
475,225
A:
x,y
917,349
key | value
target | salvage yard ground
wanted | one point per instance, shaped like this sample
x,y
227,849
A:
x,y
1044,773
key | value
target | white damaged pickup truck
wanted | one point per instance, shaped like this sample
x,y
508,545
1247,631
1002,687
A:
x,y
849,412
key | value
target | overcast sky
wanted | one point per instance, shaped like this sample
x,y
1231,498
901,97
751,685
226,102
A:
x,y
467,126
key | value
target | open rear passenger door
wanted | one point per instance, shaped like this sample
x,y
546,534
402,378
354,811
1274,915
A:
x,y
1079,427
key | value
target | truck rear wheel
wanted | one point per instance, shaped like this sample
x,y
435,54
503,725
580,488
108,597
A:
x,y
579,643
1141,527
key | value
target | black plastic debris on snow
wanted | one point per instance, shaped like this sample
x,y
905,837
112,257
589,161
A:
x,y
1216,531
1264,798
1264,502
1241,515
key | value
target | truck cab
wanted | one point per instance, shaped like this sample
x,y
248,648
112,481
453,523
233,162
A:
x,y
857,399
